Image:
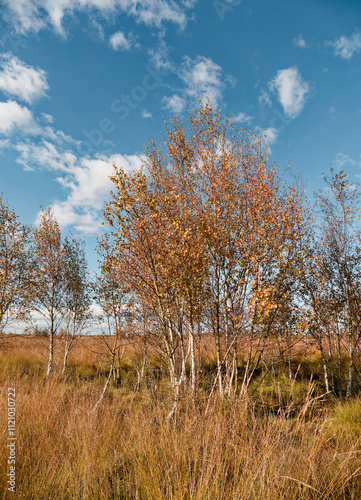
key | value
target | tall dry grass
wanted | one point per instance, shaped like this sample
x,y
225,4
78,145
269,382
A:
x,y
239,449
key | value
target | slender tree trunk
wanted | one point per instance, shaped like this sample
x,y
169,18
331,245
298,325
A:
x,y
176,383
97,404
227,367
290,376
330,357
68,343
218,334
325,371
51,354
192,347
184,355
143,366
339,363
51,346
235,370
350,368
193,361
66,353
174,409
231,369
245,377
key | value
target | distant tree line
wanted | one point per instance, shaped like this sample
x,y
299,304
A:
x,y
207,239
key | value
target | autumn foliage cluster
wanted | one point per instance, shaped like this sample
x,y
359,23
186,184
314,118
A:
x,y
206,241
225,358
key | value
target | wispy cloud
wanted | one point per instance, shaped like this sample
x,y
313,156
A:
x,y
32,16
300,42
146,114
345,47
271,134
242,118
332,112
47,118
160,57
86,180
292,90
343,159
19,121
45,155
89,186
118,41
264,99
174,103
21,80
203,79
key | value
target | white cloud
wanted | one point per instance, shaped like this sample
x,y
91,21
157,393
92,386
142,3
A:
x,y
146,114
292,90
203,79
86,180
21,80
300,42
45,155
342,159
47,118
160,57
89,185
174,103
119,42
34,15
346,47
242,118
13,116
271,134
18,119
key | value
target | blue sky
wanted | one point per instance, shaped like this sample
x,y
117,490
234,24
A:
x,y
84,83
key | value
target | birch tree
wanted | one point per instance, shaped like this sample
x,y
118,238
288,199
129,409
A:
x,y
207,237
15,266
340,266
116,305
77,293
49,293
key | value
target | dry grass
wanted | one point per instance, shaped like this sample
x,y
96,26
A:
x,y
127,450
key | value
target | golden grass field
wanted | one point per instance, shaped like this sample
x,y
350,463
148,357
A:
x,y
283,442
